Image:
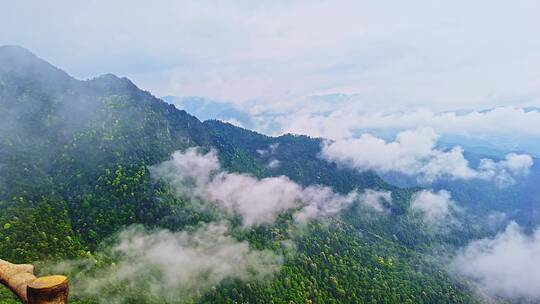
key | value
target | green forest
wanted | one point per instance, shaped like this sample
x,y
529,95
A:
x,y
75,159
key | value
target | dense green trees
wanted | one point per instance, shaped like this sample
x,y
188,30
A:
x,y
74,160
335,263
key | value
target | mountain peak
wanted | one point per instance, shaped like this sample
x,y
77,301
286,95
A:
x,y
108,76
21,63
112,81
15,50
18,56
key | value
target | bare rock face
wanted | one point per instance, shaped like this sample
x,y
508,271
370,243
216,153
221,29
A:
x,y
20,279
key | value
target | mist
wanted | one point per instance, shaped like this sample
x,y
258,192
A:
x,y
415,153
166,265
194,174
405,171
506,265
178,266
436,208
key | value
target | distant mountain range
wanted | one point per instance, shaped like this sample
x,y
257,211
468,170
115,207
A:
x,y
206,109
265,122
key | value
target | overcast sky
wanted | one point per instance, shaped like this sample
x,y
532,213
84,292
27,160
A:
x,y
437,54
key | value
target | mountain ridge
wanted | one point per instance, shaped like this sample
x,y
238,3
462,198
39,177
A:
x,y
75,164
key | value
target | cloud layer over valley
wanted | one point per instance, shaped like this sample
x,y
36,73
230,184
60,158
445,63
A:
x,y
170,265
415,153
198,175
507,264
435,207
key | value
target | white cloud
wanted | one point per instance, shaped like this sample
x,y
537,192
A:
x,y
518,164
375,199
405,54
256,200
273,147
506,265
505,171
322,202
273,164
188,171
269,151
235,122
414,153
435,206
169,265
497,121
344,119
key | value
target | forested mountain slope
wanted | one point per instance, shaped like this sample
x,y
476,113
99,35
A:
x,y
74,170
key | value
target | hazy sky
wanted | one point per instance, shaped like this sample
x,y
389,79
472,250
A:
x,y
437,54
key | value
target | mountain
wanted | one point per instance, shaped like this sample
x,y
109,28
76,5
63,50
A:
x,y
74,171
206,109
517,201
270,122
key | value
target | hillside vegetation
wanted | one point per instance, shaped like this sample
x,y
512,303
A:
x,y
74,171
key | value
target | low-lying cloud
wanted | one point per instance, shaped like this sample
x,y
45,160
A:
x,y
270,151
505,171
506,265
376,200
415,153
324,202
435,207
258,201
171,265
273,164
